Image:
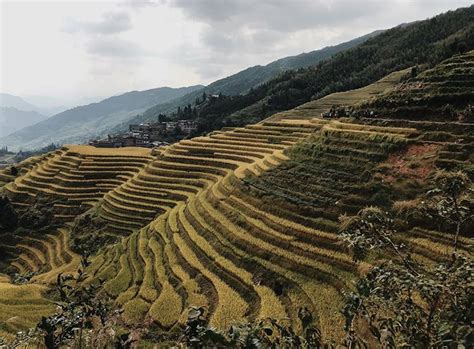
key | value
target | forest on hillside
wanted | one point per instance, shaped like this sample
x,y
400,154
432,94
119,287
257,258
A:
x,y
422,44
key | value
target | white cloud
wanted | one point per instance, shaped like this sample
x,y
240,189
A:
x,y
109,23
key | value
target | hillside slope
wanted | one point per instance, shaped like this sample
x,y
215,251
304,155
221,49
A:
x,y
348,98
243,81
423,43
242,221
248,243
445,92
82,123
194,238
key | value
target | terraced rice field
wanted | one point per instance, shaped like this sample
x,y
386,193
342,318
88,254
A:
x,y
348,98
219,248
185,169
428,92
454,139
233,247
79,175
21,306
46,256
337,171
241,221
325,176
23,167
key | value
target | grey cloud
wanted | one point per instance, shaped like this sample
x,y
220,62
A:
x,y
210,71
232,24
138,4
114,47
109,24
239,33
281,15
102,38
211,10
235,25
256,30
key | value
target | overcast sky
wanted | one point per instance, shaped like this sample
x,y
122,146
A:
x,y
78,49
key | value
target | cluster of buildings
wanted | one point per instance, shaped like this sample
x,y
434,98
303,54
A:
x,y
148,135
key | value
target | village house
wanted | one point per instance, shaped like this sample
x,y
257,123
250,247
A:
x,y
156,131
109,142
171,126
187,126
146,135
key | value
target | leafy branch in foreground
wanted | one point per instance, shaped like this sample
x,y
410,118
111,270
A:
x,y
265,333
431,310
448,203
403,303
449,200
372,229
83,318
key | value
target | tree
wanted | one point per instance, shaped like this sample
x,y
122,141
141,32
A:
x,y
448,200
84,318
431,309
14,171
8,215
370,229
265,333
162,118
404,303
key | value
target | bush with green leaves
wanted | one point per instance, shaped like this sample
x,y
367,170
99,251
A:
x,y
265,333
430,309
404,303
370,229
84,318
449,201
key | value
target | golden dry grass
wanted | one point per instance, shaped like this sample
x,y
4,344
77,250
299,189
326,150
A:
x,y
22,306
120,152
50,256
211,245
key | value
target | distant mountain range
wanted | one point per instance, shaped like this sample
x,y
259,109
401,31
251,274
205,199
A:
x,y
45,105
82,123
11,101
79,124
12,119
16,113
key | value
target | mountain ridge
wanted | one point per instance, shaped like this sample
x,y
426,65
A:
x,y
228,84
77,124
13,119
17,102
